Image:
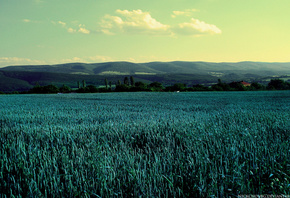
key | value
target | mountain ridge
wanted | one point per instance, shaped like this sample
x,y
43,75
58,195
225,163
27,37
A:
x,y
24,77
155,67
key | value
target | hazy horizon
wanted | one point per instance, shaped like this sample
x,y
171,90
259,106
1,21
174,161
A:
x,y
141,63
42,32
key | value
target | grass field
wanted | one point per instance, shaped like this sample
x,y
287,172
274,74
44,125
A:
x,y
199,144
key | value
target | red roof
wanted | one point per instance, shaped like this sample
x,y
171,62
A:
x,y
245,83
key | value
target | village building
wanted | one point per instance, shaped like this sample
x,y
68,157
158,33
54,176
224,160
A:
x,y
245,83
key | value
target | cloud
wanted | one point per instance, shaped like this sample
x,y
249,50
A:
x,y
71,30
81,28
8,61
187,12
30,21
132,22
196,27
62,23
26,20
139,22
84,30
99,58
13,61
87,59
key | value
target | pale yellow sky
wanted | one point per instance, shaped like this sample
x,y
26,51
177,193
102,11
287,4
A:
x,y
52,32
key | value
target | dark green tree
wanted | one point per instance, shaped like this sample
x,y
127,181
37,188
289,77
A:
x,y
278,84
132,81
65,89
51,89
88,89
122,88
126,81
84,83
220,86
92,89
79,85
106,83
257,86
156,86
199,87
110,85
139,86
177,87
237,86
45,89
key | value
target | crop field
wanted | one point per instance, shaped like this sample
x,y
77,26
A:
x,y
187,144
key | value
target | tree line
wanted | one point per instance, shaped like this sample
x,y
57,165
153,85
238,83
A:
x,y
129,85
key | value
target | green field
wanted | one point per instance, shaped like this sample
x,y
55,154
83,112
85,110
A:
x,y
198,144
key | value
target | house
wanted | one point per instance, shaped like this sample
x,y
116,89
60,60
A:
x,y
239,85
245,83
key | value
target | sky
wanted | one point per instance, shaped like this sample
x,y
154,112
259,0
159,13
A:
x,y
36,32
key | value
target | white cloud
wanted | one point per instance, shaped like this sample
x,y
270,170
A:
x,y
99,58
139,22
132,22
13,61
62,23
30,21
142,23
81,28
8,61
87,59
26,20
196,27
72,60
84,30
71,30
187,12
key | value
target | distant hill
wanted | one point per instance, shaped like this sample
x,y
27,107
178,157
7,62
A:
x,y
25,77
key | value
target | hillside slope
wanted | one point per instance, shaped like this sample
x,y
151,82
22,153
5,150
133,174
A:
x,y
22,78
158,68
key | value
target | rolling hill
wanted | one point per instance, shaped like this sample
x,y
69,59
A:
x,y
22,78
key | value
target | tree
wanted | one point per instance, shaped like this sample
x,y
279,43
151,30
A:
x,y
278,84
84,83
199,87
220,86
51,89
177,87
256,86
65,89
126,81
88,89
119,82
44,89
106,83
92,89
132,81
79,85
122,88
156,86
110,85
237,86
139,86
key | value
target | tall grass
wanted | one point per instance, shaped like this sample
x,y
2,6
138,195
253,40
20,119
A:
x,y
145,144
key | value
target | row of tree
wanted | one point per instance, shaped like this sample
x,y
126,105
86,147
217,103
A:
x,y
274,84
129,85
